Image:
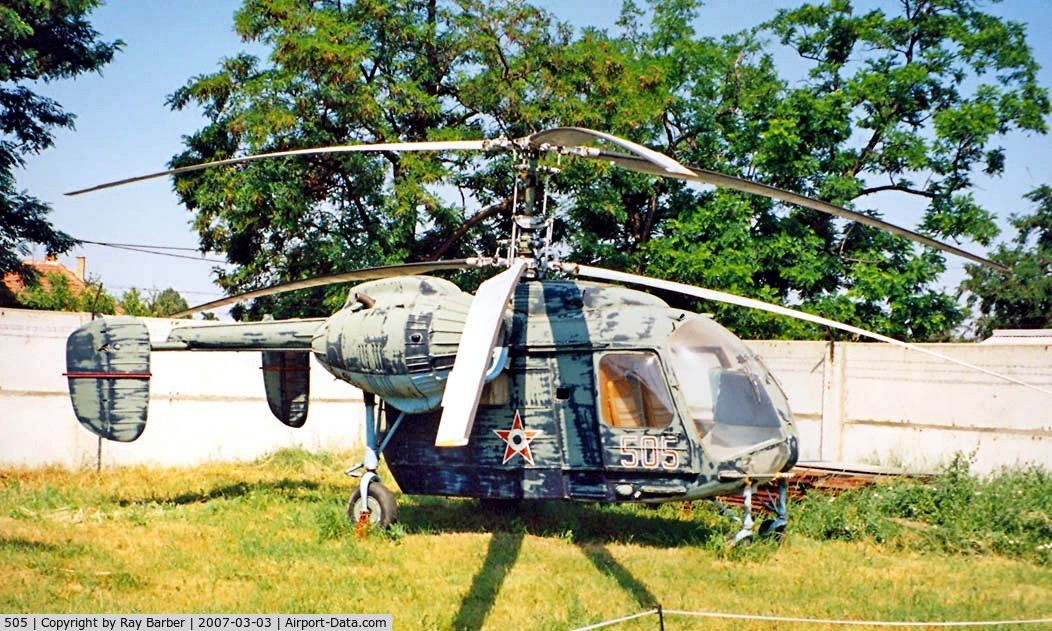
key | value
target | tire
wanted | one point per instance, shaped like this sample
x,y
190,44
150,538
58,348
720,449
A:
x,y
383,511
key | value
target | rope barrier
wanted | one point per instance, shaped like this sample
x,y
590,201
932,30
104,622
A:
x,y
648,612
869,623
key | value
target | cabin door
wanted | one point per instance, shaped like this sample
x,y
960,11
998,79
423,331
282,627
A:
x,y
573,405
640,428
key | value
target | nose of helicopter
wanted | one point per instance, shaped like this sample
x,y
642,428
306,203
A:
x,y
766,460
737,407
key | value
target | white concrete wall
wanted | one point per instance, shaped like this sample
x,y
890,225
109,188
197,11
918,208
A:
x,y
881,404
203,406
854,403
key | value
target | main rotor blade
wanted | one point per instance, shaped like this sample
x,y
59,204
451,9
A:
x,y
572,139
644,160
442,145
748,186
741,301
464,386
370,273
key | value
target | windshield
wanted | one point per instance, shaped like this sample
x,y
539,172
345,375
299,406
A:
x,y
734,401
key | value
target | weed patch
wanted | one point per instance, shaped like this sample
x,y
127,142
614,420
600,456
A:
x,y
1009,513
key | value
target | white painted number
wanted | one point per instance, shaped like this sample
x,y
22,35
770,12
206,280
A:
x,y
649,452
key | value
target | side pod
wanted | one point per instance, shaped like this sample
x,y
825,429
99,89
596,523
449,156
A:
x,y
108,367
286,376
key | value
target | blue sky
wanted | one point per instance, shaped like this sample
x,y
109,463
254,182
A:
x,y
124,128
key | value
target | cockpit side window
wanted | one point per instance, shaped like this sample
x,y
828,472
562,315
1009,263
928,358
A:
x,y
633,391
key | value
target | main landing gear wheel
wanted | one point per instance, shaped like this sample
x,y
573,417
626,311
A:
x,y
379,504
773,528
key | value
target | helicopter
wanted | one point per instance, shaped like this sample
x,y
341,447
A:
x,y
554,381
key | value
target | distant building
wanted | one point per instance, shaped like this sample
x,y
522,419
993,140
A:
x,y
14,284
1019,337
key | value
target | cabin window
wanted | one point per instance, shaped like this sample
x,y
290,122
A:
x,y
633,391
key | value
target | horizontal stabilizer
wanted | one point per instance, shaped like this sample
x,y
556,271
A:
x,y
108,367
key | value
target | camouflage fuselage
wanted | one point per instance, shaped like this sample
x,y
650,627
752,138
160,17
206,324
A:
x,y
540,431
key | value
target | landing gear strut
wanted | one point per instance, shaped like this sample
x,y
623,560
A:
x,y
772,527
372,503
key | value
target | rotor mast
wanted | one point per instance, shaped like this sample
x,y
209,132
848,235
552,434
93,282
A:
x,y
531,227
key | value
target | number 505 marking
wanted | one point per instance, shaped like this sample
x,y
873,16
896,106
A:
x,y
649,452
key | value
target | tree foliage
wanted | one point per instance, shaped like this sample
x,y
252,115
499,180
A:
x,y
53,292
375,71
1022,297
133,303
907,99
908,103
167,302
158,305
40,41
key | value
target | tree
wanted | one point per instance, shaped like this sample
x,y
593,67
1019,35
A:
x,y
159,305
166,303
1022,297
132,303
54,293
908,103
343,72
40,41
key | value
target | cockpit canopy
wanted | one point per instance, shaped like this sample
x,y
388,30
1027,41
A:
x,y
735,403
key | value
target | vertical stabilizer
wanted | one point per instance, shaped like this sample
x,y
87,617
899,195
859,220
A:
x,y
108,366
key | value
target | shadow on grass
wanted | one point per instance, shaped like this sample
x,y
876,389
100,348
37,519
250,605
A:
x,y
25,545
287,488
580,523
501,555
607,564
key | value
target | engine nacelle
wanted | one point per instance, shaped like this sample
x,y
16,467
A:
x,y
396,338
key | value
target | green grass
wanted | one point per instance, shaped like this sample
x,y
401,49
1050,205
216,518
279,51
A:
x,y
271,536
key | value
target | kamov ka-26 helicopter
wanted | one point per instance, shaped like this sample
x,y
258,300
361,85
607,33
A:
x,y
543,385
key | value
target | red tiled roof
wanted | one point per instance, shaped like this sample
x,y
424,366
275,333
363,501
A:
x,y
14,282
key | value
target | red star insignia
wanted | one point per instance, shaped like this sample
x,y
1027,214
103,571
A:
x,y
517,439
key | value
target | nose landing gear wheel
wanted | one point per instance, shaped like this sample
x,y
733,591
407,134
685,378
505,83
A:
x,y
378,509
